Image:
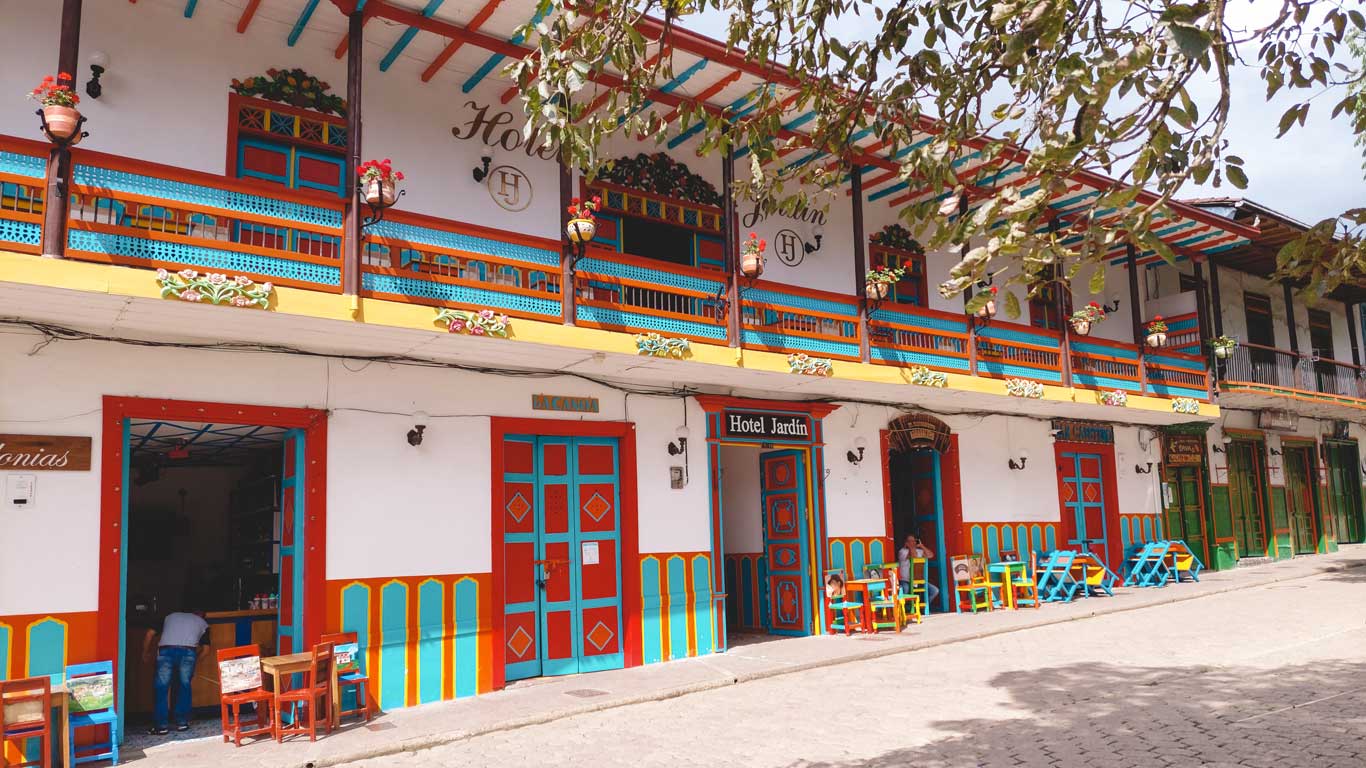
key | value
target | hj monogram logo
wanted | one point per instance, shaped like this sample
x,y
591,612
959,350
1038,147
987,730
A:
x,y
509,188
789,247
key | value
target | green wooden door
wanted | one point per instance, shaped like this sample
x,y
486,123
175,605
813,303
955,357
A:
x,y
1344,491
1246,502
1183,512
1299,499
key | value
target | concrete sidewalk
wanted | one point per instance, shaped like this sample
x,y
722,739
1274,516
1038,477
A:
x,y
546,699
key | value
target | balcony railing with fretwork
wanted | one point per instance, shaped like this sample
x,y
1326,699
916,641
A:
x,y
1292,372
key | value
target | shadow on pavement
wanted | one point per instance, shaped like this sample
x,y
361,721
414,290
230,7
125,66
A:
x,y
1113,716
1351,571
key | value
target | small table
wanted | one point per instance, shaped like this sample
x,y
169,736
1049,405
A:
x,y
863,587
1009,571
280,667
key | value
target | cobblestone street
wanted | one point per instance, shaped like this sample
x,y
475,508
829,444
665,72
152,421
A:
x,y
1268,676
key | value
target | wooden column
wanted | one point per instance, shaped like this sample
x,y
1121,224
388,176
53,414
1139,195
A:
x,y
860,262
1352,331
351,238
1290,317
1201,305
568,294
967,294
732,245
57,199
1135,311
1218,302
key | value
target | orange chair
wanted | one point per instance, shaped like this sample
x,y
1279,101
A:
x,y
26,713
349,675
231,703
314,697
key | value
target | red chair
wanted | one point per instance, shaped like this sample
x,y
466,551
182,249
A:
x,y
231,702
26,713
349,676
314,697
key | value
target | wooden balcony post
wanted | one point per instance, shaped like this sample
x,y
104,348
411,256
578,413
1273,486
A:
x,y
57,199
351,235
1202,320
568,291
1352,332
732,246
1135,311
967,295
1217,310
1290,317
860,265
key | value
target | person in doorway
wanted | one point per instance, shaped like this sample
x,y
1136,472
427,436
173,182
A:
x,y
914,547
183,639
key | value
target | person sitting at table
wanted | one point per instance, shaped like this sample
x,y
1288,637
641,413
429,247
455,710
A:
x,y
914,547
183,640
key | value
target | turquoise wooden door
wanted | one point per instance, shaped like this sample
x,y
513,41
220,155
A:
x,y
787,586
1082,493
562,537
291,606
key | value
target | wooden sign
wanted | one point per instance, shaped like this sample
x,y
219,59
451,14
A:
x,y
37,453
765,426
1071,431
564,403
1184,450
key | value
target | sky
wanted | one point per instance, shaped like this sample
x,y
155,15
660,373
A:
x,y
1312,173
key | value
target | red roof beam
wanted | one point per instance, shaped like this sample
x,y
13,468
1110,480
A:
x,y
248,13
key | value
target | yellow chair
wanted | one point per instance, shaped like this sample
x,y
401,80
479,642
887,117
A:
x,y
970,580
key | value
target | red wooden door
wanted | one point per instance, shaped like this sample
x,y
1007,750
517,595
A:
x,y
1089,517
783,493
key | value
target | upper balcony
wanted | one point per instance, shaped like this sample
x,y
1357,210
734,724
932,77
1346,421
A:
x,y
1255,376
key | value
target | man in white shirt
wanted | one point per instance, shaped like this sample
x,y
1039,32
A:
x,y
914,547
182,641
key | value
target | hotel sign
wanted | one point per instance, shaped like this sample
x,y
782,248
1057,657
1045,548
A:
x,y
1070,431
1185,450
37,453
765,426
564,403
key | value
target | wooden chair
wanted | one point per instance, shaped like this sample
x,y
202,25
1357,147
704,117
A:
x,y
840,612
920,585
970,581
885,606
1026,590
235,668
1146,565
1053,578
90,708
26,713
349,674
1184,562
314,698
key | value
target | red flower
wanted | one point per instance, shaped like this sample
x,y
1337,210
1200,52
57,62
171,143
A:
x,y
63,75
752,235
994,289
763,244
1157,317
1093,304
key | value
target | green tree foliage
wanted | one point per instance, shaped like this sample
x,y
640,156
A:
x,y
1118,87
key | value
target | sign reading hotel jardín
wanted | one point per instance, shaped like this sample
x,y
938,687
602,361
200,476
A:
x,y
765,426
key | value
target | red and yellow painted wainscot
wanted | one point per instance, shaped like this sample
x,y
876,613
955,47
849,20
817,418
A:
x,y
990,539
1139,528
676,606
854,554
43,644
423,638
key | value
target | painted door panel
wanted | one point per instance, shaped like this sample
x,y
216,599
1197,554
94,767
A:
x,y
289,636
1246,499
1081,485
783,501
1344,491
562,535
1299,501
1182,518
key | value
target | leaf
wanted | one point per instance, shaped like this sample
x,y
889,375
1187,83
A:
x,y
1192,41
1097,285
1012,305
1236,176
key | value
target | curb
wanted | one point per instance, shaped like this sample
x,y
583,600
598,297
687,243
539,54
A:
x,y
419,743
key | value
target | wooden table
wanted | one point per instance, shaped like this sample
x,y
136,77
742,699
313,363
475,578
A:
x,y
862,587
1009,570
59,701
279,668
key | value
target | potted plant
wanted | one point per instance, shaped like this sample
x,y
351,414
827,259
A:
x,y
1157,332
1223,346
752,256
582,227
880,280
379,182
59,102
1087,316
988,310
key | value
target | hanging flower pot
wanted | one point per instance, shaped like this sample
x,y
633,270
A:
x,y
1222,352
752,256
988,310
59,102
581,230
1157,340
1223,346
1157,332
1087,316
877,291
379,183
1081,327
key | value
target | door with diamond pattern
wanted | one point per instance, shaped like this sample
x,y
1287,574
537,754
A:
x,y
562,536
1084,496
788,586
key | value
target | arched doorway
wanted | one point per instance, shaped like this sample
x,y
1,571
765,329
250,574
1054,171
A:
x,y
920,454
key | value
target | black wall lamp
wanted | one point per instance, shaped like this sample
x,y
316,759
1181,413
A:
x,y
1217,448
420,426
481,171
859,445
99,62
1138,469
1109,307
1024,457
682,444
817,232
1274,452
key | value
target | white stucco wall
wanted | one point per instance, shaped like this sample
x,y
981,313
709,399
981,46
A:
x,y
740,500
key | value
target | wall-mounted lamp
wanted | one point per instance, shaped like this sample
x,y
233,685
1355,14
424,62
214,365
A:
x,y
859,445
1021,463
99,62
1217,448
481,171
1055,433
817,232
1138,469
419,426
1109,307
682,445
1274,452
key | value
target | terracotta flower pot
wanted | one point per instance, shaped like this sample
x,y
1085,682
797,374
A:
x,y
752,264
988,309
1157,339
379,192
62,121
1081,327
877,291
581,230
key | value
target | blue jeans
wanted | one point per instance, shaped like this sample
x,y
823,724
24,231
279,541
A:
x,y
931,591
181,662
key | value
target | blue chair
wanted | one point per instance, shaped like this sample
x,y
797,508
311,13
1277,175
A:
x,y
1054,578
95,673
1146,565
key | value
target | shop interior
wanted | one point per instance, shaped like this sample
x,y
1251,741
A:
x,y
203,536
917,508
